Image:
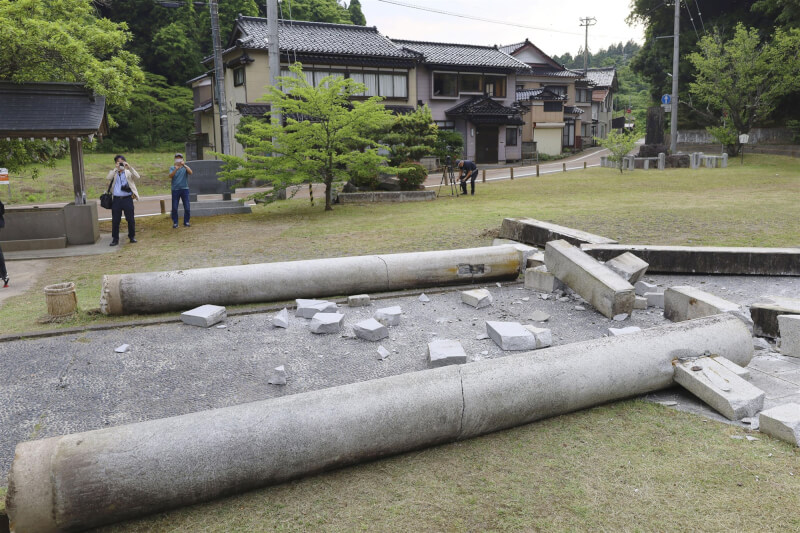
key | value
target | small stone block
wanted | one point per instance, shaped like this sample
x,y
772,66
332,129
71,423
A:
x,y
620,317
424,298
204,316
539,279
309,308
655,299
370,330
358,300
616,332
125,348
281,319
510,335
543,336
389,316
782,422
640,303
687,303
642,287
383,353
278,376
445,352
719,387
628,266
327,323
539,316
477,298
789,328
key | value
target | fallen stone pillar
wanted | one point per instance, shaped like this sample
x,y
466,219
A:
x,y
596,283
539,233
686,303
719,387
765,315
98,477
706,259
157,292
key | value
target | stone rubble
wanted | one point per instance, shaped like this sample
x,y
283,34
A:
x,y
642,287
358,300
782,422
204,316
309,308
323,323
628,266
789,328
383,353
389,316
543,336
616,332
445,352
370,330
477,298
281,319
424,298
278,376
640,303
510,335
125,348
720,388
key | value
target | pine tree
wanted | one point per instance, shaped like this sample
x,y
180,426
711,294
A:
x,y
356,15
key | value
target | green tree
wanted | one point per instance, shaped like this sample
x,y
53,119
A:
x,y
176,54
317,11
619,145
356,15
411,137
62,41
740,80
326,137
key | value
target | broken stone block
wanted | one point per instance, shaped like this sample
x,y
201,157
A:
x,y
477,298
125,348
594,282
358,300
539,316
789,328
543,336
383,353
309,308
281,319
445,352
721,389
628,266
687,303
654,299
278,376
540,280
765,314
782,422
760,344
370,330
423,298
616,332
389,316
733,367
620,317
642,287
204,316
640,302
327,323
510,335
535,260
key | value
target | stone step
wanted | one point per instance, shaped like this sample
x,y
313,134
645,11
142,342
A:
x,y
719,387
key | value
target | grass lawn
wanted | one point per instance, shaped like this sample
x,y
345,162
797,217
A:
x,y
55,184
753,205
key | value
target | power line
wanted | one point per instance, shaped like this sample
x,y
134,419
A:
x,y
471,17
586,22
700,15
686,5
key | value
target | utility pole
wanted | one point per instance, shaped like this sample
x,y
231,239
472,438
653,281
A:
x,y
586,22
673,123
219,76
274,50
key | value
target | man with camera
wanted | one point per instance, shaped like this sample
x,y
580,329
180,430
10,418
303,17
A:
x,y
469,171
124,193
179,174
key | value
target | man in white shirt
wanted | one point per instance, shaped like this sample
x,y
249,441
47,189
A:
x,y
124,193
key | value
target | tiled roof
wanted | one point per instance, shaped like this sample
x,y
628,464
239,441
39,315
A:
x,y
318,38
465,55
573,110
553,73
538,94
511,48
252,110
205,106
602,77
50,110
484,109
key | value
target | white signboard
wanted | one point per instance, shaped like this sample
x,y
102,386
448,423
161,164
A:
x,y
4,175
667,108
744,138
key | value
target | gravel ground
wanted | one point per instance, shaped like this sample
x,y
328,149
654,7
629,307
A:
x,y
73,383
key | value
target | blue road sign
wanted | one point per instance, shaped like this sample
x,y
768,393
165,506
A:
x,y
666,99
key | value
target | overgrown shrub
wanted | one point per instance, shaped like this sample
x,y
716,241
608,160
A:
x,y
411,175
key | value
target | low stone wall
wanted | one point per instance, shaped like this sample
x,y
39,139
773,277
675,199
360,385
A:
x,y
41,228
385,196
757,136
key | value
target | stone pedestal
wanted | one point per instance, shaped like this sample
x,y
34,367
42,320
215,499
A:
x,y
81,223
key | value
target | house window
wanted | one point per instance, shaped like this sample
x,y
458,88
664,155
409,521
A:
x,y
238,76
393,85
583,95
448,125
445,84
553,106
496,86
511,136
470,83
560,90
568,138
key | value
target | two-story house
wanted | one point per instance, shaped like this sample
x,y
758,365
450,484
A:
x,y
470,89
602,82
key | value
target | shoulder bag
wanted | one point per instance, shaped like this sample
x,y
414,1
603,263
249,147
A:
x,y
106,199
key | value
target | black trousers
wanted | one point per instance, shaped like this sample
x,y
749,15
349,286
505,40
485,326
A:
x,y
471,177
3,271
120,205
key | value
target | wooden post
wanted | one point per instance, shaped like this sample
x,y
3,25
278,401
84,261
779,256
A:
x,y
564,167
311,193
537,171
483,180
584,165
163,207
512,172
78,174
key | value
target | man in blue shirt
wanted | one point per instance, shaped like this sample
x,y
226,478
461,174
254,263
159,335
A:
x,y
469,171
179,174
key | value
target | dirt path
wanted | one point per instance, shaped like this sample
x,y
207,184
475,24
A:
x,y
22,274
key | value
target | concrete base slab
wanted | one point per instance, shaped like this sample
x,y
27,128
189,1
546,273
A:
x,y
327,323
510,335
715,384
539,233
445,352
789,328
782,422
477,298
309,308
358,300
628,266
204,316
370,330
594,282
389,316
687,303
765,314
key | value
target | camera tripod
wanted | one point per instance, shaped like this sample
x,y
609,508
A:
x,y
448,178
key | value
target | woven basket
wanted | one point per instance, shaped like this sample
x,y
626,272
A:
x,y
61,299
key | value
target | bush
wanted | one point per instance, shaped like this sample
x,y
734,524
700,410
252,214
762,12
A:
x,y
448,143
411,175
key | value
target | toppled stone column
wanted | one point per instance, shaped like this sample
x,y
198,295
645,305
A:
x,y
719,387
597,284
686,303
